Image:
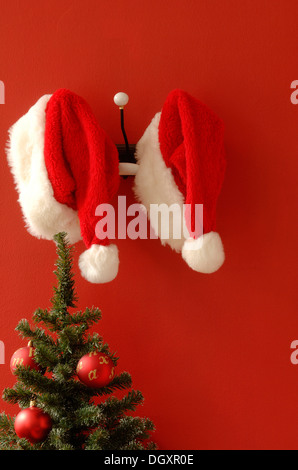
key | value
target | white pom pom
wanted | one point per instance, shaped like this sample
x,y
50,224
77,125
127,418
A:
x,y
99,264
206,254
121,99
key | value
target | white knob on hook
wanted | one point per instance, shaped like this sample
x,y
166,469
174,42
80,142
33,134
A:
x,y
121,99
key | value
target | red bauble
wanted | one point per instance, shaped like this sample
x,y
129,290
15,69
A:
x,y
33,424
24,357
96,369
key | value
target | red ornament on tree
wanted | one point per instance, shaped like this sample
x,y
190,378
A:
x,y
24,357
33,424
96,369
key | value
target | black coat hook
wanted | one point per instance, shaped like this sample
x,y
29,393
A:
x,y
126,151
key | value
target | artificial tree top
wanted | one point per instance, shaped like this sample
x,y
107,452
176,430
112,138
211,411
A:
x,y
83,417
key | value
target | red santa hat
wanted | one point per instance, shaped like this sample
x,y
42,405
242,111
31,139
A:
x,y
64,165
182,162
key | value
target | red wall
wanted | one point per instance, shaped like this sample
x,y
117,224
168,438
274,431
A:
x,y
211,353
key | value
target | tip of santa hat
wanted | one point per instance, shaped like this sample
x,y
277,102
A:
x,y
205,254
99,264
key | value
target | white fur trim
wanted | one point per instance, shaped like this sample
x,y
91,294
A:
x,y
155,184
43,215
205,254
99,264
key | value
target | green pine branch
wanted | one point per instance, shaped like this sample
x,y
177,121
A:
x,y
64,294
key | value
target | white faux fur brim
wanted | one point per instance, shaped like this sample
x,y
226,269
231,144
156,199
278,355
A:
x,y
43,215
99,264
155,184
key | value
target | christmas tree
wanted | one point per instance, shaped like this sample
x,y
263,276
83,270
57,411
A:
x,y
61,412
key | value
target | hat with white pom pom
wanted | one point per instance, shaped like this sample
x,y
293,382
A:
x,y
182,162
65,165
